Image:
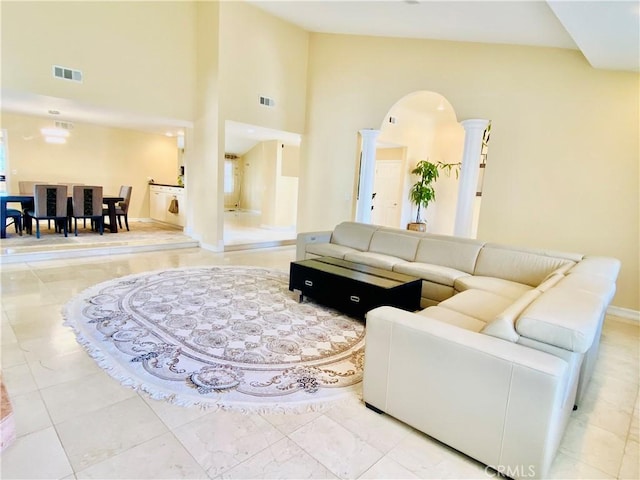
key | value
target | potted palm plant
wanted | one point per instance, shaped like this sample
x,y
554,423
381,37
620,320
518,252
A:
x,y
422,192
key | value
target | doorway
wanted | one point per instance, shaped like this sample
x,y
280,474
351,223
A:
x,y
260,186
388,191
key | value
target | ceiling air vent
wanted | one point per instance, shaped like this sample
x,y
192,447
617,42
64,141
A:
x,y
393,120
267,101
67,73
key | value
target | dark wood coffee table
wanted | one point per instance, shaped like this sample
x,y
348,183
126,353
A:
x,y
353,288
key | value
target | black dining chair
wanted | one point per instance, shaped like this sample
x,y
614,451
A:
x,y
16,218
87,204
49,203
122,208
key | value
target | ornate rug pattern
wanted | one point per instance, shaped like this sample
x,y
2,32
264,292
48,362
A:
x,y
226,337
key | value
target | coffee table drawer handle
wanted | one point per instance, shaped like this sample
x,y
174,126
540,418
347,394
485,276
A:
x,y
308,283
355,299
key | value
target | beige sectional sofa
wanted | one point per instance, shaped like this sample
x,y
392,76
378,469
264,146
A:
x,y
502,350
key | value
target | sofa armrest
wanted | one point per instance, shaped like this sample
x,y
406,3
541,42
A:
x,y
565,317
503,404
310,237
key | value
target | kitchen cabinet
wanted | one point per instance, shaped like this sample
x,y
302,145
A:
x,y
160,197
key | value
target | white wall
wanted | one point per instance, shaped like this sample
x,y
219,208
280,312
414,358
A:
x,y
269,184
563,169
262,55
135,56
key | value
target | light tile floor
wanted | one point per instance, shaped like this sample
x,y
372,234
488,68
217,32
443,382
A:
x,y
242,228
75,421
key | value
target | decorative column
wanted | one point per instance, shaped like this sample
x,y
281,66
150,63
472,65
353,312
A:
x,y
367,175
469,171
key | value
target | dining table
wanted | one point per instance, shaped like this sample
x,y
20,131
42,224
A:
x,y
110,201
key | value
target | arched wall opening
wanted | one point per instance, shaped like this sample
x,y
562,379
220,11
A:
x,y
420,126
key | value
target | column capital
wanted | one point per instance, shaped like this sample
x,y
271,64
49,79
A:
x,y
369,133
475,123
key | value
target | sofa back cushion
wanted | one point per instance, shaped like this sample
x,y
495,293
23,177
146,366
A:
x,y
503,325
528,267
394,243
353,234
457,253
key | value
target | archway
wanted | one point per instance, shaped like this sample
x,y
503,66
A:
x,y
422,125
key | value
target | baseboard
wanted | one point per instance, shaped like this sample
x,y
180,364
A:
x,y
211,247
251,246
625,313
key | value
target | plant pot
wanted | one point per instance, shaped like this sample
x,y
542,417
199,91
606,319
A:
x,y
417,226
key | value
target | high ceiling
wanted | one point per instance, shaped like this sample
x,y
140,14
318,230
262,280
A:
x,y
606,32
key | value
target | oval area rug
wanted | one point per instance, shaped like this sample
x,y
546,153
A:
x,y
230,337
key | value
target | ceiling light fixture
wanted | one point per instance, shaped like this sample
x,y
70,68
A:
x,y
55,135
55,132
58,140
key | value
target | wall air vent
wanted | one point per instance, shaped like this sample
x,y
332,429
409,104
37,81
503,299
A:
x,y
267,101
230,156
393,120
66,73
64,125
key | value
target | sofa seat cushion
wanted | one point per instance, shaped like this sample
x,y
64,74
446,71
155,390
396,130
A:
x,y
377,260
329,250
433,273
503,287
480,304
453,318
503,325
565,317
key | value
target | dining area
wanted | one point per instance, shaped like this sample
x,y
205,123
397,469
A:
x,y
63,208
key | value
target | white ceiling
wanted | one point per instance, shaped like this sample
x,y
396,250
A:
x,y
73,111
239,138
606,32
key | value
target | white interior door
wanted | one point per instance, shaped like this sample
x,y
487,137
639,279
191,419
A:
x,y
387,188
